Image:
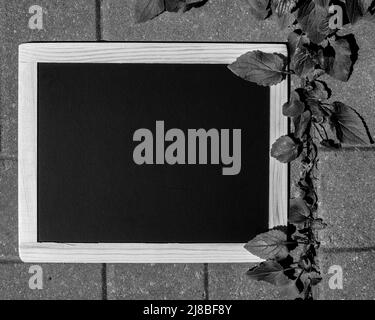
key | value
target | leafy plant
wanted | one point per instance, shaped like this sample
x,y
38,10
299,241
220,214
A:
x,y
314,50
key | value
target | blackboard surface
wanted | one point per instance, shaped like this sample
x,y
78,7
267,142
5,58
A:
x,y
90,189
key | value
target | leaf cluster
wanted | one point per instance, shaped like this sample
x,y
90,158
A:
x,y
315,50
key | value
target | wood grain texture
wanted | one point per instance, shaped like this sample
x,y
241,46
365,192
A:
x,y
140,52
32,53
278,178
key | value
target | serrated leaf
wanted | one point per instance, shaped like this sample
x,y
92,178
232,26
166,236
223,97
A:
x,y
341,66
294,107
285,149
301,124
314,20
298,211
295,40
349,125
319,91
297,253
282,10
148,9
302,62
318,113
283,7
265,69
271,272
259,8
284,20
269,245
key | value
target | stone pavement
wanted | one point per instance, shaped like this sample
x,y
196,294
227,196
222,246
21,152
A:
x,y
346,184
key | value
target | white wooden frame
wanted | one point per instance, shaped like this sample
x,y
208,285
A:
x,y
32,53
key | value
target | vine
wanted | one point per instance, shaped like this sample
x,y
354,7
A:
x,y
315,49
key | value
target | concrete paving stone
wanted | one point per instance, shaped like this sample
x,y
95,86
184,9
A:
x,y
357,271
8,210
60,281
346,191
155,281
230,282
71,20
359,91
218,20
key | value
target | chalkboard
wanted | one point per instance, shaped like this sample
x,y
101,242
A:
x,y
146,153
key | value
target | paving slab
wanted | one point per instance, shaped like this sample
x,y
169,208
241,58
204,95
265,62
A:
x,y
219,20
229,282
346,191
155,281
71,20
357,275
59,281
8,210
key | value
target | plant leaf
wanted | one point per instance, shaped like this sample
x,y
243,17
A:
x,y
302,62
295,40
271,272
317,112
298,211
349,125
301,124
314,20
283,7
282,10
294,107
265,69
342,64
319,91
148,9
303,58
269,245
259,8
285,149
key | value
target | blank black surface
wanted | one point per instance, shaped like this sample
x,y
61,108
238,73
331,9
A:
x,y
89,188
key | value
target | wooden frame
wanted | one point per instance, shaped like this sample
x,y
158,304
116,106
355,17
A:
x,y
30,54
